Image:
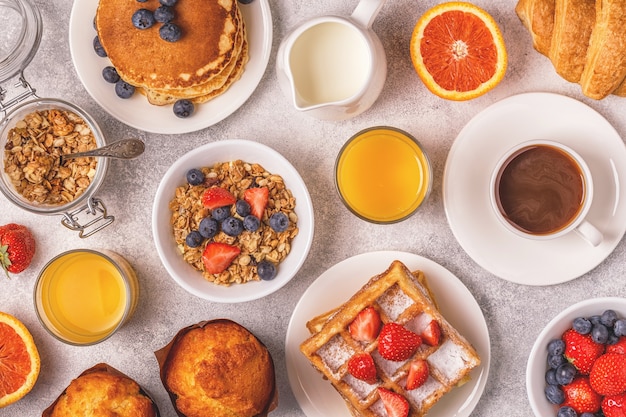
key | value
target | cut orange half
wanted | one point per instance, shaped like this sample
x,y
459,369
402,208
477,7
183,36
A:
x,y
19,360
458,51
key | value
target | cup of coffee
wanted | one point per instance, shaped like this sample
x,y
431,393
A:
x,y
542,189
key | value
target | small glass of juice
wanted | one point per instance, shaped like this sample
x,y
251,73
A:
x,y
383,174
83,296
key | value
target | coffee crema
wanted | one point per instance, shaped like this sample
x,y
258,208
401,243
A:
x,y
541,190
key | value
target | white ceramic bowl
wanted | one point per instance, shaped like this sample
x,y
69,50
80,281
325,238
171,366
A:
x,y
536,367
207,155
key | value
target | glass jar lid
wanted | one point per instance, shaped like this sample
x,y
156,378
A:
x,y
20,36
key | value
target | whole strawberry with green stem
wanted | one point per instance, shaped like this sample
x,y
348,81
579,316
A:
x,y
17,248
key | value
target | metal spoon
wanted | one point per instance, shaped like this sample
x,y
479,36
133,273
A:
x,y
123,149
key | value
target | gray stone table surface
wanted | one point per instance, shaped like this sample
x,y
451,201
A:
x,y
515,314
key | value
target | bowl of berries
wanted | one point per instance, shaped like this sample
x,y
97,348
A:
x,y
577,366
232,221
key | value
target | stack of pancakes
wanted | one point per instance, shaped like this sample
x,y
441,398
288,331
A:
x,y
209,57
584,40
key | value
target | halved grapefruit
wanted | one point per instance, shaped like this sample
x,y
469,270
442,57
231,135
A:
x,y
19,360
458,51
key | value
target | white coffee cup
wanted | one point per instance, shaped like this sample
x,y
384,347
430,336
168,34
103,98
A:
x,y
542,189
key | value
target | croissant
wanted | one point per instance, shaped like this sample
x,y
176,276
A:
x,y
584,39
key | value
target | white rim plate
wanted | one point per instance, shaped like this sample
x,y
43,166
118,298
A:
x,y
317,397
206,155
136,111
536,367
475,153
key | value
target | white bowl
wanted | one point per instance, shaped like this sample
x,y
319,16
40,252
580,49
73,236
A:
x,y
207,155
537,365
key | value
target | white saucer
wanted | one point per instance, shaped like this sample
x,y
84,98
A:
x,y
317,397
474,155
136,111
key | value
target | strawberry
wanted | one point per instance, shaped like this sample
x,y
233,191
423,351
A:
x,y
395,404
431,334
257,197
619,347
361,366
614,405
608,374
396,343
418,374
366,325
215,197
581,397
581,350
17,248
218,256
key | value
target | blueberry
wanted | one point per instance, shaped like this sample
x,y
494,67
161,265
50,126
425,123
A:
x,y
266,270
164,14
554,361
587,414
168,3
594,319
556,347
123,89
565,373
232,226
251,223
110,74
581,325
566,411
194,239
279,221
599,333
242,207
195,176
183,108
220,213
608,318
208,227
97,46
619,328
143,19
170,32
551,377
554,394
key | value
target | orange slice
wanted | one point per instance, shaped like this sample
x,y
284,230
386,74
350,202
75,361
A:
x,y
458,51
19,360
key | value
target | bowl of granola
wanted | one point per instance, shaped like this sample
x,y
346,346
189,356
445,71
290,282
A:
x,y
232,221
33,136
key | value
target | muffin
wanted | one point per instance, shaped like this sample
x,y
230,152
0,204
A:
x,y
102,391
218,368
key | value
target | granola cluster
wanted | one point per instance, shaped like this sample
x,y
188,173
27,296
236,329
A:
x,y
265,243
32,151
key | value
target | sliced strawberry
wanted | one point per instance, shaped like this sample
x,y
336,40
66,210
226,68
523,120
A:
x,y
581,397
257,197
581,350
418,374
395,404
432,333
397,343
361,366
215,197
608,374
366,326
614,405
218,256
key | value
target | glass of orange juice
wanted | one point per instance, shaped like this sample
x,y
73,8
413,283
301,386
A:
x,y
383,174
83,296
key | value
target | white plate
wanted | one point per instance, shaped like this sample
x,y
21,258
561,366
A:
x,y
473,157
536,367
140,114
317,397
207,155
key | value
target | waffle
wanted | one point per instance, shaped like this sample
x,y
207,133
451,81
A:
x,y
399,297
